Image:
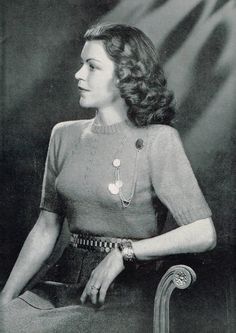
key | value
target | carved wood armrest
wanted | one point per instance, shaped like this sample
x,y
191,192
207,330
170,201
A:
x,y
179,276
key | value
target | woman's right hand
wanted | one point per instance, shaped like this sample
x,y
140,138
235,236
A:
x,y
102,277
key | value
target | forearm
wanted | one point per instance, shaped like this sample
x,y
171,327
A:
x,y
36,249
198,236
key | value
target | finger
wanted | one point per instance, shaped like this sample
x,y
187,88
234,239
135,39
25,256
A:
x,y
103,292
84,296
86,291
93,294
90,291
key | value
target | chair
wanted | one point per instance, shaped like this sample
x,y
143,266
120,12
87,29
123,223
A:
x,y
179,276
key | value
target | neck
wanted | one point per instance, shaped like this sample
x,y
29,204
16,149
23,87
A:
x,y
112,114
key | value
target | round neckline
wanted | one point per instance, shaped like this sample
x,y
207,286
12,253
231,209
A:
x,y
110,129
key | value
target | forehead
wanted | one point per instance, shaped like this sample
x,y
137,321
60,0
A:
x,y
95,49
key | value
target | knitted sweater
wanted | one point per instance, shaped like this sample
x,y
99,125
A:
x,y
84,162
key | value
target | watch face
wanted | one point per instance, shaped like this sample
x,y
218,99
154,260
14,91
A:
x,y
120,246
127,251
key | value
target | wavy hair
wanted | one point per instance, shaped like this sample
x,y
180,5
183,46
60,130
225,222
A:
x,y
141,79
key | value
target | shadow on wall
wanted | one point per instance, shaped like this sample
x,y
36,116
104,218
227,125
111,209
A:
x,y
218,5
156,4
207,80
180,33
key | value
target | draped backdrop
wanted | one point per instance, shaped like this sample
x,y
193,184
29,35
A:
x,y
40,47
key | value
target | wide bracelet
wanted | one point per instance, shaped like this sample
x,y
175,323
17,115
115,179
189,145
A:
x,y
127,251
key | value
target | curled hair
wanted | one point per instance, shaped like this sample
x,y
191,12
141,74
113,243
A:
x,y
141,79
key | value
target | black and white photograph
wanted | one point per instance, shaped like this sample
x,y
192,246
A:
x,y
117,166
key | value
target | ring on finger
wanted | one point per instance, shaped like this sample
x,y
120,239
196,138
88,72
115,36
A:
x,y
94,288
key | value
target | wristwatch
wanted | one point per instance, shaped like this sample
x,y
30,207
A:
x,y
127,251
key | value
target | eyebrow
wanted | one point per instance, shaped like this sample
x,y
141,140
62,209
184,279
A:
x,y
92,59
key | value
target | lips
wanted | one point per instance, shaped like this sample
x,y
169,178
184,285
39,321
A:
x,y
83,89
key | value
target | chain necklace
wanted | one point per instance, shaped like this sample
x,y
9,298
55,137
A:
x,y
115,187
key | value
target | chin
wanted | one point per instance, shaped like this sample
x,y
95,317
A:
x,y
84,103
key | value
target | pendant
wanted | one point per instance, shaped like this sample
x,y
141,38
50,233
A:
x,y
113,189
116,163
119,183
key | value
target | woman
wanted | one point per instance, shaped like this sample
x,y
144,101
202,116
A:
x,y
113,178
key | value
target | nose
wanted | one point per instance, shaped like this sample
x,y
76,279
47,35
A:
x,y
79,75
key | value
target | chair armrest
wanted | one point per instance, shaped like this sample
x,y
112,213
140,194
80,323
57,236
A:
x,y
179,276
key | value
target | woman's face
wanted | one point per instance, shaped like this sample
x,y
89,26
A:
x,y
96,78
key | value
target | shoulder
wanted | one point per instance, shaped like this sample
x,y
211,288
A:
x,y
162,134
65,135
69,130
165,143
70,126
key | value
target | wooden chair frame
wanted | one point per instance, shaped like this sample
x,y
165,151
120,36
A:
x,y
179,276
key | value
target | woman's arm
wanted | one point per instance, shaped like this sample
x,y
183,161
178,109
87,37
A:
x,y
36,249
198,236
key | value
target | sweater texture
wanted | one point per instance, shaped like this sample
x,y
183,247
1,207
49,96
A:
x,y
151,166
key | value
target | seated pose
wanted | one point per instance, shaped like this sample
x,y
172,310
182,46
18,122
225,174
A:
x,y
112,179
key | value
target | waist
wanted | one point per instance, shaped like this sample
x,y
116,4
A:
x,y
95,243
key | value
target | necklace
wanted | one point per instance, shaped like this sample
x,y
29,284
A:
x,y
115,187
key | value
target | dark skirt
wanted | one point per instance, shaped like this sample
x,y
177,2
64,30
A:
x,y
53,305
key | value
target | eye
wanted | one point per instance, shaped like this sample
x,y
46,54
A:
x,y
91,66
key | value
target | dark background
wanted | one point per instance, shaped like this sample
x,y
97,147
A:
x,y
40,46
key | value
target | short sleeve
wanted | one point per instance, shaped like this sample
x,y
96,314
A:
x,y
173,179
50,199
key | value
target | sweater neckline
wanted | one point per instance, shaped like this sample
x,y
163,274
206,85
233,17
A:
x,y
109,129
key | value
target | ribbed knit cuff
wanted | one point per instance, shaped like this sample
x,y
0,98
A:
x,y
191,214
50,207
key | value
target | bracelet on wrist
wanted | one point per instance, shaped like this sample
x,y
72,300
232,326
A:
x,y
126,249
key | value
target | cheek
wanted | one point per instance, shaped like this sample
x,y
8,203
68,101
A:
x,y
113,90
103,86
110,86
105,80
103,89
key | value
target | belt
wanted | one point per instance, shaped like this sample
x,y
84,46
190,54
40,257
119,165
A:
x,y
94,243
